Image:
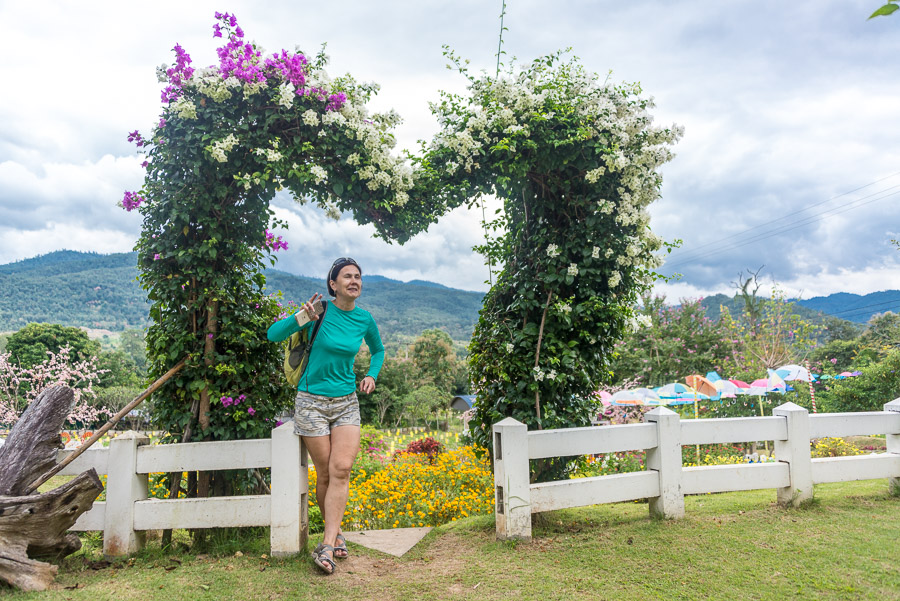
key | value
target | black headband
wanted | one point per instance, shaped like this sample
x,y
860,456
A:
x,y
336,269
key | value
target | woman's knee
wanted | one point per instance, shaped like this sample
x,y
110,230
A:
x,y
340,470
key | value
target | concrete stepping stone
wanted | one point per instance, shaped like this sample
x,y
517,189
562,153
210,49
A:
x,y
396,541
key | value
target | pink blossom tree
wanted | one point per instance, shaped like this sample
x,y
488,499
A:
x,y
19,386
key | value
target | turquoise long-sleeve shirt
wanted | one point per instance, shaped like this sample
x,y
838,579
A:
x,y
330,368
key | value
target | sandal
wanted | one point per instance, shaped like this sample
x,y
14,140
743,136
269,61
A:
x,y
341,546
320,557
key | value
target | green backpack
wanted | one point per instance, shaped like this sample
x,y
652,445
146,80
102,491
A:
x,y
296,354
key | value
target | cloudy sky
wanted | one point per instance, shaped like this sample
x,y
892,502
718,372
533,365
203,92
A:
x,y
790,159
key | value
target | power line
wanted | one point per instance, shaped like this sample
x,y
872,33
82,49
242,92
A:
x,y
807,221
731,239
861,308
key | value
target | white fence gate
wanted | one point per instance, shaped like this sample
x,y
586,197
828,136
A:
x,y
128,512
665,481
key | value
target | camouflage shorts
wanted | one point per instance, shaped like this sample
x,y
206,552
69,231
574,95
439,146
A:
x,y
316,415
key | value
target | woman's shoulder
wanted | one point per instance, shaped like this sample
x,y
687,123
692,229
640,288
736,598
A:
x,y
363,314
362,317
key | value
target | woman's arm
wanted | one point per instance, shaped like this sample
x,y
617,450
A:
x,y
282,330
373,340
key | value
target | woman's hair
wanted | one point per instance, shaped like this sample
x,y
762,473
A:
x,y
336,269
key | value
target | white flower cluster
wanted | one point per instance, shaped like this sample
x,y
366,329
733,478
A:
x,y
272,154
319,174
255,87
509,347
220,148
594,175
564,308
573,269
614,119
605,206
332,117
311,118
376,166
614,279
285,95
540,374
184,108
332,211
595,253
552,251
210,83
637,322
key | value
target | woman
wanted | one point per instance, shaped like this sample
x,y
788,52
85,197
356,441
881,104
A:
x,y
326,410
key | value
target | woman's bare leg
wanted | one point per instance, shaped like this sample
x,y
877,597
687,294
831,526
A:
x,y
333,457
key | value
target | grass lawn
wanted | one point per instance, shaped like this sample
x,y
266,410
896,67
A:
x,y
730,546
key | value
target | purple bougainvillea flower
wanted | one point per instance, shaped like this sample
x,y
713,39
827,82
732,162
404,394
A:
x,y
251,411
131,201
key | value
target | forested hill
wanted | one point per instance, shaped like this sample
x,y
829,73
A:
x,y
101,291
843,305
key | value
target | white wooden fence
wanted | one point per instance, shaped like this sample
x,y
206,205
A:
x,y
128,512
665,481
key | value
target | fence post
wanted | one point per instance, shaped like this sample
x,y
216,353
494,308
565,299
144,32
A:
x,y
289,530
124,486
795,451
892,444
665,458
512,506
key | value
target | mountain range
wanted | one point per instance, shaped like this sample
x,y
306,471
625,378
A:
x,y
102,291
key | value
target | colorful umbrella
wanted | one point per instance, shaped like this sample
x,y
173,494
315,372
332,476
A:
x,y
671,391
793,372
713,376
677,393
638,396
739,383
727,389
703,386
773,383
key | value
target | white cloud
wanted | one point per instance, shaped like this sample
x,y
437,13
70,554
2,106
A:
x,y
16,244
443,254
784,105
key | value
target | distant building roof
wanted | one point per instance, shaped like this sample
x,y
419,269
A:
x,y
463,402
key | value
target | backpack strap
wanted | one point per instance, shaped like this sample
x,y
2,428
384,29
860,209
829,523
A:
x,y
312,337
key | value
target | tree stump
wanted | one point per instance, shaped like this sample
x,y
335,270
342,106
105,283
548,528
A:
x,y
36,525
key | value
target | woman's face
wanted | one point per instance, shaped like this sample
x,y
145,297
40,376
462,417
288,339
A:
x,y
348,282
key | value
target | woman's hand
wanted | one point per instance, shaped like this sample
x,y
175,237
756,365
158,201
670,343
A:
x,y
310,308
367,385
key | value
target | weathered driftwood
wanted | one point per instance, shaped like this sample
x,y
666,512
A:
x,y
31,447
34,484
36,525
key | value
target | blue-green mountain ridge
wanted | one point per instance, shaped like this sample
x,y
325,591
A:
x,y
102,291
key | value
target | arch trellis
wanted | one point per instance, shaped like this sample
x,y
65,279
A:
x,y
573,158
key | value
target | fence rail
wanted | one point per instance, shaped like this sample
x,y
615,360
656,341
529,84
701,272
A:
x,y
128,512
666,481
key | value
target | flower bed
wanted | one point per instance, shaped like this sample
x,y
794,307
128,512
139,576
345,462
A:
x,y
416,490
416,486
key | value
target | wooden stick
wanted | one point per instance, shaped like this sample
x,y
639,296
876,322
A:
x,y
112,422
